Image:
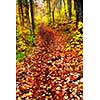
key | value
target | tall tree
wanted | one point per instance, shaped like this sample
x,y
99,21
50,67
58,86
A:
x,y
69,2
56,4
53,19
49,5
27,15
21,12
65,8
60,6
32,15
78,5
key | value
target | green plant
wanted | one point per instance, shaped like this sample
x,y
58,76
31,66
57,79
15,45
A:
x,y
24,43
20,56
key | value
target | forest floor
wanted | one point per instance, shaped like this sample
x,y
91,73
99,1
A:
x,y
51,72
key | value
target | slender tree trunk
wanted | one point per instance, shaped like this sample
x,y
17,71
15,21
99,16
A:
x,y
21,11
77,13
79,10
80,5
32,15
53,16
27,12
27,15
60,5
69,2
65,8
60,8
49,5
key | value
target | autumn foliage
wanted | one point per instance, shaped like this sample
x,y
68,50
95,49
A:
x,y
50,72
49,50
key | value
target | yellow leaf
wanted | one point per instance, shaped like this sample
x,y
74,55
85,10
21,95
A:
x,y
80,25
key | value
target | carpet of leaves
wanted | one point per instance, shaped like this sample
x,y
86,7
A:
x,y
50,72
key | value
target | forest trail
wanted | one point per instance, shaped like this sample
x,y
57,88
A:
x,y
46,74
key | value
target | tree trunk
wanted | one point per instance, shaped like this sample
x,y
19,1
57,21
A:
x,y
49,5
80,5
60,4
65,8
21,11
32,15
79,10
60,8
69,2
53,16
27,15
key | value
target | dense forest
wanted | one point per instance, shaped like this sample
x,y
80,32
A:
x,y
49,49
